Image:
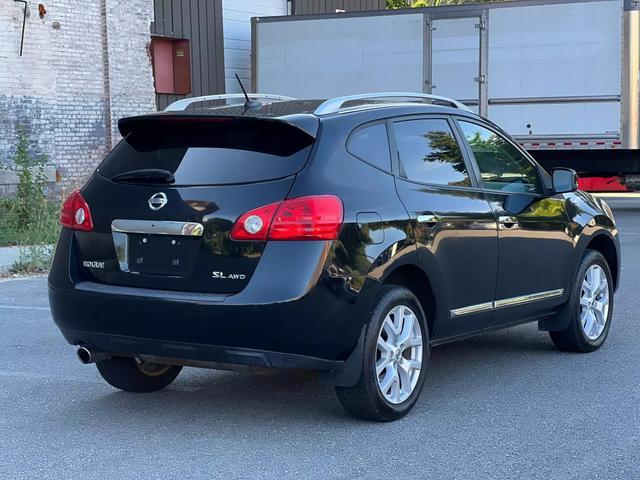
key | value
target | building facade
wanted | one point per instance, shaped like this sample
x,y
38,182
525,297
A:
x,y
311,7
70,69
83,66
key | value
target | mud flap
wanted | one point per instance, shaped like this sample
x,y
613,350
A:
x,y
559,321
349,374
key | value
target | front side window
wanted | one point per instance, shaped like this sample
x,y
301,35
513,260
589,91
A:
x,y
429,153
502,166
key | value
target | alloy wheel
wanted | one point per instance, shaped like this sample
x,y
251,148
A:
x,y
399,354
151,369
594,302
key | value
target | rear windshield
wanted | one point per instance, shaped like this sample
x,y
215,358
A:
x,y
210,153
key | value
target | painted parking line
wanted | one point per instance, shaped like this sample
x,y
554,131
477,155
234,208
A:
x,y
22,279
45,376
20,307
34,376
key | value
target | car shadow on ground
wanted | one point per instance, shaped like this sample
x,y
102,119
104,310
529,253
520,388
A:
x,y
293,397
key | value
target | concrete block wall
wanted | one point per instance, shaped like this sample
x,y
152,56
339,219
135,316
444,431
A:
x,y
84,66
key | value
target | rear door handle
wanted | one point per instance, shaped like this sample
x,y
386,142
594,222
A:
x,y
507,221
429,218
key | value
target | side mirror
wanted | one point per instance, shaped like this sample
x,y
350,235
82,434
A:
x,y
565,180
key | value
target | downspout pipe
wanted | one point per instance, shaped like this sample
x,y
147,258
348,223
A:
x,y
24,21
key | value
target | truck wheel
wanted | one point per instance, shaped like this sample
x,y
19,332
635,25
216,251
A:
x,y
591,307
396,352
133,375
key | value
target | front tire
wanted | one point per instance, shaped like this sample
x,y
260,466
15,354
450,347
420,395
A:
x,y
396,353
591,307
133,375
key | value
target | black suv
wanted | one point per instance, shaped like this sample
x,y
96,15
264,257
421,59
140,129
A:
x,y
348,236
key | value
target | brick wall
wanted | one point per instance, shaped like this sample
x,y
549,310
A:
x,y
84,66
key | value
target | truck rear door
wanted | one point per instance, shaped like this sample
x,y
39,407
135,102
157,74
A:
x,y
455,59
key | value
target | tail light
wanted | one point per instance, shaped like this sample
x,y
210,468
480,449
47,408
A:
x,y
75,213
317,217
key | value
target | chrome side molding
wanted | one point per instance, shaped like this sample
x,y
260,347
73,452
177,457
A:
x,y
507,302
532,297
480,307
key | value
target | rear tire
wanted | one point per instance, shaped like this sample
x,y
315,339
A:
x,y
588,326
131,375
396,353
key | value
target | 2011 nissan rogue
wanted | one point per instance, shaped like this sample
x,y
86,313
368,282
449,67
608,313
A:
x,y
349,235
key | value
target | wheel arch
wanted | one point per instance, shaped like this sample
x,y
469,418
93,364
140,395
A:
x,y
607,247
605,244
603,241
416,280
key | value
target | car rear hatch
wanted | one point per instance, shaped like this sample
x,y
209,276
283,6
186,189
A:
x,y
164,201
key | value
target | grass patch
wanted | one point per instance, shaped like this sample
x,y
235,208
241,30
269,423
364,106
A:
x,y
41,229
33,259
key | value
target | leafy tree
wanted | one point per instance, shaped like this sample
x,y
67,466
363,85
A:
x,y
394,4
30,200
28,219
444,149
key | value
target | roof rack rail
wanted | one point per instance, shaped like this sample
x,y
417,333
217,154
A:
x,y
334,105
181,105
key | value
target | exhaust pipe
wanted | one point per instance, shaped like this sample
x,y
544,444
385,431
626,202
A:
x,y
87,356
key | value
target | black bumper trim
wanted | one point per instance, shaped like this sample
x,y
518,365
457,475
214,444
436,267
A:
x,y
133,346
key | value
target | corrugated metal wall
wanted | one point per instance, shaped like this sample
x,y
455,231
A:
x,y
237,36
303,7
199,21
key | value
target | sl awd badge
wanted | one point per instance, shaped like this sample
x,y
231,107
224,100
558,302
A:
x,y
228,276
157,201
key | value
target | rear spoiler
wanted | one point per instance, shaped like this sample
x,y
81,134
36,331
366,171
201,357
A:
x,y
303,122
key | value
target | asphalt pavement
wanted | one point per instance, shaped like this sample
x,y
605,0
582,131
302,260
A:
x,y
501,405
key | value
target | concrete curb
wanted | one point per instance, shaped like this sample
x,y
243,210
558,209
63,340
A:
x,y
10,255
12,177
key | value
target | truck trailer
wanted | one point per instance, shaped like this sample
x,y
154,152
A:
x,y
562,77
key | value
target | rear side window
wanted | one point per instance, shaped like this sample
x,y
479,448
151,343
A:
x,y
429,153
212,152
371,144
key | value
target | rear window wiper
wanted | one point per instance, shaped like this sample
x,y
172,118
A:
x,y
145,175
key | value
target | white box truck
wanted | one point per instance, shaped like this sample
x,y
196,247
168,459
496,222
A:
x,y
563,77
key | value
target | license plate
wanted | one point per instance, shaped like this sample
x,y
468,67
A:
x,y
158,254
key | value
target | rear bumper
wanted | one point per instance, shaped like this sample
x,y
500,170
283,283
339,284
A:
x,y
315,326
197,354
320,329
